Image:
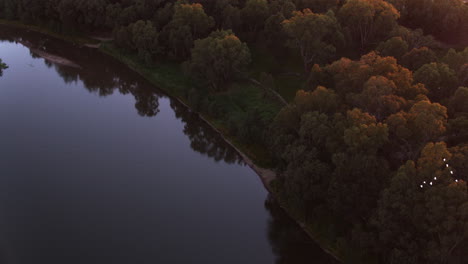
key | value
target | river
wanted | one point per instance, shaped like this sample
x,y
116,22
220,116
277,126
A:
x,y
98,166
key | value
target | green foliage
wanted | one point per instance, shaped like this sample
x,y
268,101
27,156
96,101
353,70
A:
x,y
411,130
254,14
417,57
189,23
423,225
415,38
232,17
141,37
318,6
274,29
8,9
458,102
458,61
368,21
283,7
316,36
219,58
444,19
395,47
438,78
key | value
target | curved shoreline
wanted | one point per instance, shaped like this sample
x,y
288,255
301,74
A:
x,y
267,176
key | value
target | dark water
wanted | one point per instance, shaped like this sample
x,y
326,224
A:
x,y
97,166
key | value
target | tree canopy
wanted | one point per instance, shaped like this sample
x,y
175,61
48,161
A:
x,y
219,58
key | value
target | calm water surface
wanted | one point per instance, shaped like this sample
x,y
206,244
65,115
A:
x,y
97,166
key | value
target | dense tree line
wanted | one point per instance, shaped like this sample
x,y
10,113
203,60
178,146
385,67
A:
x,y
376,136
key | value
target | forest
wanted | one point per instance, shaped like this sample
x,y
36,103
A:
x,y
361,106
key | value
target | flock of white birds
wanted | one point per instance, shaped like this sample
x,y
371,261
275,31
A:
x,y
435,178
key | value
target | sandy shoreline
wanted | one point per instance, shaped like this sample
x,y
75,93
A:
x,y
48,56
54,58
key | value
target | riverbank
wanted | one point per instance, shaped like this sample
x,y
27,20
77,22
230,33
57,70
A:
x,y
169,78
267,175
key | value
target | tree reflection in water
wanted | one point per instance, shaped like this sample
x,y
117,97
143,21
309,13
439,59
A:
x,y
203,138
103,76
289,242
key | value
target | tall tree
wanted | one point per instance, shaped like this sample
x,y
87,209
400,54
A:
x,y
438,78
254,15
411,130
189,23
219,58
368,21
316,36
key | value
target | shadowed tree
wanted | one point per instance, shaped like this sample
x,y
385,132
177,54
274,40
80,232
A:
x,y
458,102
318,6
219,58
458,61
360,173
445,19
438,78
417,57
459,161
316,36
274,30
455,60
411,130
141,37
231,18
8,9
395,47
189,23
283,7
254,15
368,21
423,225
415,38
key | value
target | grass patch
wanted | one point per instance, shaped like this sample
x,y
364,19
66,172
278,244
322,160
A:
x,y
231,107
286,69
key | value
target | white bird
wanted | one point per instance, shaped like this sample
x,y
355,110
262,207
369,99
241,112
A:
x,y
446,165
451,172
456,180
424,182
444,159
430,183
435,178
422,186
